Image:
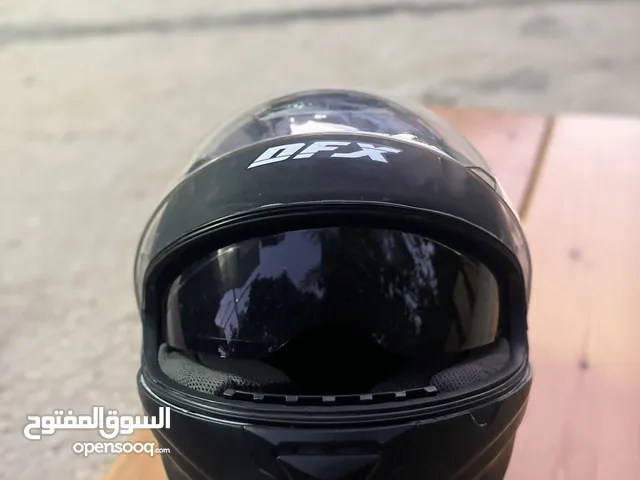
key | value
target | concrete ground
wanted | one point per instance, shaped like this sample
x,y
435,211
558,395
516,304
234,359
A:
x,y
101,102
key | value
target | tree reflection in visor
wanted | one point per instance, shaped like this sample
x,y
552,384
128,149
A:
x,y
407,294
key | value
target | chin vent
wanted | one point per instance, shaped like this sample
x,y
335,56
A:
x,y
329,467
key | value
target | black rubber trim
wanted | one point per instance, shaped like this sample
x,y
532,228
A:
x,y
328,400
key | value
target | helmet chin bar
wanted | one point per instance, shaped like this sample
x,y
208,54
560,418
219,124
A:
x,y
403,447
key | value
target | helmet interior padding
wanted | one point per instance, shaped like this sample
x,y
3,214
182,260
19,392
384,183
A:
x,y
213,375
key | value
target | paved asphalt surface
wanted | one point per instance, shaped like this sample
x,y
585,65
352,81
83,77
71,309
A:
x,y
102,102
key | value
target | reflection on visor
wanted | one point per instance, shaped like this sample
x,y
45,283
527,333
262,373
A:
x,y
404,292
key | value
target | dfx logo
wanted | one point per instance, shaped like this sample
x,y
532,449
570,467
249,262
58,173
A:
x,y
298,151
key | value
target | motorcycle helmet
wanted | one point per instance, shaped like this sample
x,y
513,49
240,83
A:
x,y
335,288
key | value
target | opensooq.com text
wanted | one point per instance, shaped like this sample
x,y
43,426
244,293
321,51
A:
x,y
89,448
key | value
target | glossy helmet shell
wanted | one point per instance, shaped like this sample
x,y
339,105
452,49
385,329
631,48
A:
x,y
275,169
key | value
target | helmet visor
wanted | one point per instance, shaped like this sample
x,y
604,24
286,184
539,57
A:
x,y
402,291
325,111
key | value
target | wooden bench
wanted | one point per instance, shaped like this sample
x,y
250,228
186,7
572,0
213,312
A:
x,y
576,181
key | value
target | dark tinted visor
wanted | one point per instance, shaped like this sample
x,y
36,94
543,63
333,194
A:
x,y
404,292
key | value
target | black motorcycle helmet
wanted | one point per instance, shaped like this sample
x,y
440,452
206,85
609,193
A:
x,y
336,288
